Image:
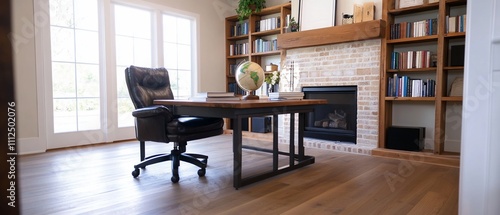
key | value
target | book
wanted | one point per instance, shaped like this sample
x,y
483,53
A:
x,y
287,98
286,95
215,94
282,94
202,98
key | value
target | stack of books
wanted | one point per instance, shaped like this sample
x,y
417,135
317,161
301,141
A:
x,y
286,96
215,96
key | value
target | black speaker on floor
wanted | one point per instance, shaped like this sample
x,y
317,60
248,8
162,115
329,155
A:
x,y
405,138
261,124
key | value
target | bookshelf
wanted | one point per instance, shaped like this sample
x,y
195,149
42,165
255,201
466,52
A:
x,y
440,69
254,39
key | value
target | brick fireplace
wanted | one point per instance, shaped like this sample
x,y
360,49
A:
x,y
344,64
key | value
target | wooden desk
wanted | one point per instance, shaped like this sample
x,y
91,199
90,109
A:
x,y
237,110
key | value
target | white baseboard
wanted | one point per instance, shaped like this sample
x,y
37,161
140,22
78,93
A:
x,y
452,145
30,145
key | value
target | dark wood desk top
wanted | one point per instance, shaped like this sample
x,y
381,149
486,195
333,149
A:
x,y
242,104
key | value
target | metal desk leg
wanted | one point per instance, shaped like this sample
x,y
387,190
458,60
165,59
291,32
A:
x,y
292,140
275,142
302,121
237,152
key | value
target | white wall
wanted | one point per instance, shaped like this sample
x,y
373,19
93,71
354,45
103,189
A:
x,y
480,162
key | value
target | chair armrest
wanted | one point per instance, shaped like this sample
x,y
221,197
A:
x,y
153,111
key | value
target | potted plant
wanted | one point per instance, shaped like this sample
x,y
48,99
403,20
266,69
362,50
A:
x,y
247,7
294,26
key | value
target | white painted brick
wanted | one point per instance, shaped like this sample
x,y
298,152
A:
x,y
355,63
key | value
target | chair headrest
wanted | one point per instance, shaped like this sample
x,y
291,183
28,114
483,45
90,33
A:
x,y
147,84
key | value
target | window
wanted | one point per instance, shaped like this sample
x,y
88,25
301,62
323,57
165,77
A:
x,y
133,39
178,53
75,65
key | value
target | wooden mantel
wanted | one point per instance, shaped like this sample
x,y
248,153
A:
x,y
332,35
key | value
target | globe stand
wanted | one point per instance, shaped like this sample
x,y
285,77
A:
x,y
250,96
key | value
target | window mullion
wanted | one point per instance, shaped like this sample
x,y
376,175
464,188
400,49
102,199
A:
x,y
158,37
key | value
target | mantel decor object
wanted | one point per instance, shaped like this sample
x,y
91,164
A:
x,y
249,77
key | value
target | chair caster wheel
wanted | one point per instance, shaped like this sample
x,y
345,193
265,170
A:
x,y
201,172
136,173
175,179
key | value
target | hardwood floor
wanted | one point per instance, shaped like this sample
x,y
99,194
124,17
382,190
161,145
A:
x,y
97,180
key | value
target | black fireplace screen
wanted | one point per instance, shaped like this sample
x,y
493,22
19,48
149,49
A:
x,y
335,121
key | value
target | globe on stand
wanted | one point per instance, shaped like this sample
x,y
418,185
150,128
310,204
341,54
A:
x,y
250,77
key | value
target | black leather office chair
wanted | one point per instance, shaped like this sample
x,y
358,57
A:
x,y
157,123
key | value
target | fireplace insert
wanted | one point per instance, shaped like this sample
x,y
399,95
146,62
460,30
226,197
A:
x,y
335,121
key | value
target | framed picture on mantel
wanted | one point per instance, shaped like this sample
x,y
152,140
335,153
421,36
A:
x,y
315,14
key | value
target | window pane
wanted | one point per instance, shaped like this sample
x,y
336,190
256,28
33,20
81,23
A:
x,y
132,22
122,90
86,15
184,84
124,50
61,13
64,115
63,80
88,114
123,20
142,24
184,53
170,56
184,31
124,103
87,46
125,108
142,52
169,29
174,83
87,80
62,44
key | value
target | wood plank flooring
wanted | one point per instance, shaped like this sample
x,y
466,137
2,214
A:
x,y
97,180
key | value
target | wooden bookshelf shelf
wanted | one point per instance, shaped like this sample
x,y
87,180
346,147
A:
x,y
453,68
455,34
452,98
414,39
240,37
266,33
425,99
414,9
430,69
237,56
